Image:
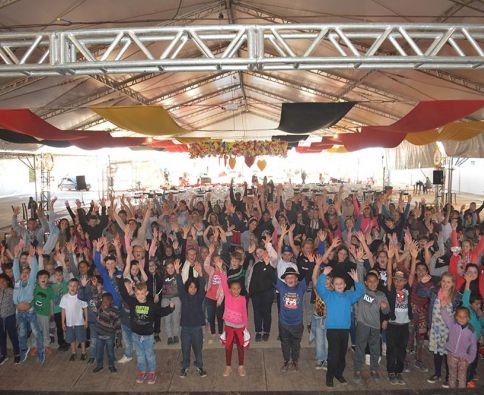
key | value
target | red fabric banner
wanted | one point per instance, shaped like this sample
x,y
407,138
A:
x,y
428,115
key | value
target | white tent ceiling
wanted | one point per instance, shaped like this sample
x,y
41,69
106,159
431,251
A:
x,y
200,101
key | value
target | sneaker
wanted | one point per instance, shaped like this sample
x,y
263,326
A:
x,y
375,375
241,371
170,341
342,380
227,371
294,366
285,367
16,360
329,383
420,366
265,336
445,384
23,356
157,339
140,377
357,377
258,337
176,339
72,357
125,359
400,380
471,384
325,365
433,379
83,356
406,368
201,372
183,373
393,379
41,357
112,369
3,359
90,360
97,369
151,378
319,365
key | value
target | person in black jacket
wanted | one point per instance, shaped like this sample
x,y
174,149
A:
x,y
90,223
261,290
192,295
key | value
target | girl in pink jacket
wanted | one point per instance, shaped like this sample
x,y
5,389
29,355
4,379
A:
x,y
235,319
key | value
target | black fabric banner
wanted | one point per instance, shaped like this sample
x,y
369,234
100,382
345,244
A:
x,y
308,117
291,138
19,138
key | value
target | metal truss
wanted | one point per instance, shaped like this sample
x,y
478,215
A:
x,y
299,46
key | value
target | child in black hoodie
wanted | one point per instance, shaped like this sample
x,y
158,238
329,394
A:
x,y
191,296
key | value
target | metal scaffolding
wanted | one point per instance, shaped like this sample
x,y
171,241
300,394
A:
x,y
299,46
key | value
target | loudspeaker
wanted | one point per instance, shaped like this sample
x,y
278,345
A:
x,y
81,182
438,177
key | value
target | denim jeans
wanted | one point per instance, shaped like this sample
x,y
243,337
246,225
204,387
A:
x,y
101,342
24,320
172,321
8,326
192,338
92,340
145,356
318,334
127,340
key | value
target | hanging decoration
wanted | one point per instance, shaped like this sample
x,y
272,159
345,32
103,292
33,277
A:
x,y
238,148
232,162
261,164
249,160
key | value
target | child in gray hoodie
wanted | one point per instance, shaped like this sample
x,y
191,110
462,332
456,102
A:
x,y
368,327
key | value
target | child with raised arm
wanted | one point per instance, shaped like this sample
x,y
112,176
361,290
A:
x,y
143,312
291,327
23,295
338,320
74,319
192,295
235,320
399,296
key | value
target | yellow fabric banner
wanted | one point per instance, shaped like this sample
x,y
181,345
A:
x,y
457,131
337,149
148,120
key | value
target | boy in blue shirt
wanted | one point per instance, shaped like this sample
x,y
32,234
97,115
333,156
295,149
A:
x,y
338,320
291,326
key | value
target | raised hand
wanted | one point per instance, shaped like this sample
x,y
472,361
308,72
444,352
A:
x,y
322,235
327,270
353,275
252,248
425,279
176,264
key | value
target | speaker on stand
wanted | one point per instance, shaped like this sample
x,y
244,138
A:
x,y
438,177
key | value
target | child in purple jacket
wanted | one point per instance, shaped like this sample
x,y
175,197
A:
x,y
461,346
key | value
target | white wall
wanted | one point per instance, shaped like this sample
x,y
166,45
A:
x,y
14,176
468,178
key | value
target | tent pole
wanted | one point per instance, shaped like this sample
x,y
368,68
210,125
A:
x,y
450,171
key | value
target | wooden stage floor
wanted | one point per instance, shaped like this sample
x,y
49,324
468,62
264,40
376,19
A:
x,y
59,376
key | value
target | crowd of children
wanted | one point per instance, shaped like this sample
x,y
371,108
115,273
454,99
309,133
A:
x,y
389,276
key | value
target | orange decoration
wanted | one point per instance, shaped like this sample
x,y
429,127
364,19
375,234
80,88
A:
x,y
261,164
232,162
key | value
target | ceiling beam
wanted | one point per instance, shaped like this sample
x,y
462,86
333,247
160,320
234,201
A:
x,y
273,18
